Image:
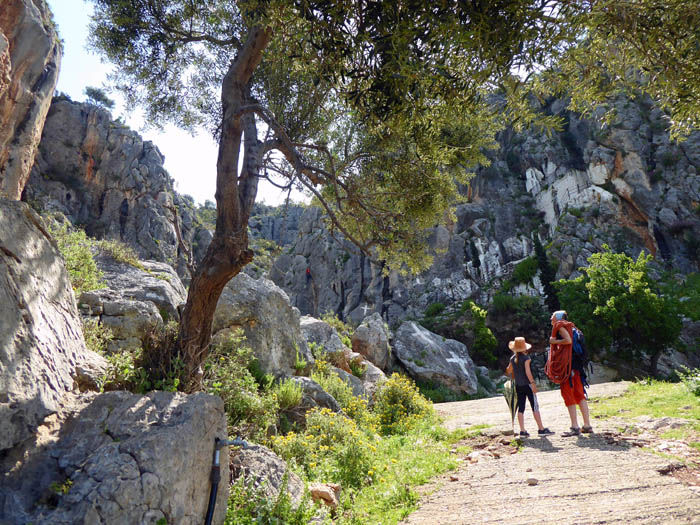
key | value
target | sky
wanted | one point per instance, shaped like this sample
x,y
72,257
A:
x,y
191,161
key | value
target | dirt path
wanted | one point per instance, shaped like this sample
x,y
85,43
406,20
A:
x,y
586,479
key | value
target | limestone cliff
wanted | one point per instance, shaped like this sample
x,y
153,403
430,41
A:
x,y
30,56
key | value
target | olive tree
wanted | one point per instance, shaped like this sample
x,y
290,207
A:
x,y
377,109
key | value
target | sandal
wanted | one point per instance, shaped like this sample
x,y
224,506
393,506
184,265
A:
x,y
587,430
575,431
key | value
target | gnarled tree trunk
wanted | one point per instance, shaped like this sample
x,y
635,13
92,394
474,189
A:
x,y
228,252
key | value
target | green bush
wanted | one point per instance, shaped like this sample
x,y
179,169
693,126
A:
x,y
248,505
691,380
288,393
357,368
97,336
76,248
484,341
250,412
434,309
617,306
120,252
332,448
400,406
331,382
525,270
344,330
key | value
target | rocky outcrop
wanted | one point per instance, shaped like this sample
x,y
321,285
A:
x,y
266,471
103,175
120,458
321,334
40,330
134,300
430,358
30,56
270,324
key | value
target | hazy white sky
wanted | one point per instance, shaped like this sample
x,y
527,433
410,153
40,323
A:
x,y
191,161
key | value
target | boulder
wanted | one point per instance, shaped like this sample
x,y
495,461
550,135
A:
x,y
265,470
270,324
121,458
355,383
135,299
30,57
326,493
429,357
321,333
42,351
372,341
313,395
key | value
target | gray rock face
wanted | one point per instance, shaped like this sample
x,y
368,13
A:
x,y
30,56
264,469
270,324
372,341
313,395
105,176
40,330
134,300
429,357
321,333
121,458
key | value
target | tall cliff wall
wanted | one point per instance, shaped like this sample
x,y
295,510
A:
x,y
30,56
626,185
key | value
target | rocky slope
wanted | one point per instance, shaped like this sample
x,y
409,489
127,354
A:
x,y
30,55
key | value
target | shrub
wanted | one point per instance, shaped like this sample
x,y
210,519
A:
x,y
120,252
484,340
124,374
97,336
248,505
75,247
434,309
288,394
332,448
344,330
357,368
250,412
399,405
691,379
525,270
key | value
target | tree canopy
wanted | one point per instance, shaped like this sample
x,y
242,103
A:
x,y
618,307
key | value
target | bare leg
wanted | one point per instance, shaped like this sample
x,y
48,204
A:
x,y
583,405
538,420
572,415
521,421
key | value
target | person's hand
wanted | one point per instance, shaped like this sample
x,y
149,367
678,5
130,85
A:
x,y
533,386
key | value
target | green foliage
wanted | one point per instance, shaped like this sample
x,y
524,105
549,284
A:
x,y
684,291
357,368
76,248
525,270
120,252
250,412
248,505
332,448
331,382
547,275
400,406
61,488
99,97
616,305
288,393
344,330
524,310
434,309
691,380
439,393
299,362
484,341
97,336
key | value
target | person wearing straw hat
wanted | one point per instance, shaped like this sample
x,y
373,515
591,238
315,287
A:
x,y
525,386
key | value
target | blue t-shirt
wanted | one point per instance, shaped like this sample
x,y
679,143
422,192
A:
x,y
519,369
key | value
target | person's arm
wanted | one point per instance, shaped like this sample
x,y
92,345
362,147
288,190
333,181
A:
x,y
528,373
564,335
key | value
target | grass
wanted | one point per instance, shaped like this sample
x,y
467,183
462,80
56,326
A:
x,y
403,462
656,399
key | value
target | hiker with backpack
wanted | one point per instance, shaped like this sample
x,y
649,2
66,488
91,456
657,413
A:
x,y
525,386
560,370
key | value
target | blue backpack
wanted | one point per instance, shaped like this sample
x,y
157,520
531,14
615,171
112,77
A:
x,y
579,356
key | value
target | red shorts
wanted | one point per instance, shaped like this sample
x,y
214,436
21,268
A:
x,y
573,395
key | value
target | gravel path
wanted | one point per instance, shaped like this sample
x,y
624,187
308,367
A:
x,y
582,479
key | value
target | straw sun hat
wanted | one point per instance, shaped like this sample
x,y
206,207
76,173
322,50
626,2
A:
x,y
519,345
